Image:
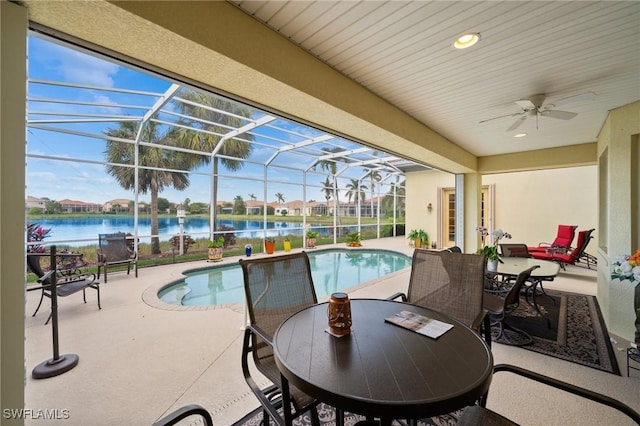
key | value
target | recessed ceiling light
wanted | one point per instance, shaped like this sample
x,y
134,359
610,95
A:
x,y
466,40
520,135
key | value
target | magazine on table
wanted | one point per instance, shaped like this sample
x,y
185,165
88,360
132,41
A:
x,y
420,324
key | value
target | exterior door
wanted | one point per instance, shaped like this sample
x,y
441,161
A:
x,y
448,214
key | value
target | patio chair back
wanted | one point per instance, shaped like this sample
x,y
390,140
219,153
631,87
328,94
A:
x,y
275,288
581,245
514,250
565,236
451,283
114,250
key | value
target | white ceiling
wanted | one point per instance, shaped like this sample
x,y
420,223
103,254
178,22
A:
x,y
402,51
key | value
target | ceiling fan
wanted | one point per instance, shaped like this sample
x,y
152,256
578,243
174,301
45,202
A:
x,y
535,106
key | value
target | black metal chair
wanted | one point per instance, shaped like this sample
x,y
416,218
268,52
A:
x,y
451,283
275,288
514,250
477,415
183,413
114,250
500,308
66,284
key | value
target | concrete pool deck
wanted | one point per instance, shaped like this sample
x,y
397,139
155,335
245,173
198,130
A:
x,y
139,361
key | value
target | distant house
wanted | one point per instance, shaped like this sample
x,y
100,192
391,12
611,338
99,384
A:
x,y
120,205
34,202
253,207
75,206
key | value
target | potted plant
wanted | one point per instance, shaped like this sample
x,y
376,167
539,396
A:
x,y
353,239
419,237
311,239
216,248
186,242
269,245
490,249
287,244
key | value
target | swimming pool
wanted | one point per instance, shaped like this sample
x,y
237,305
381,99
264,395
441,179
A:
x,y
219,285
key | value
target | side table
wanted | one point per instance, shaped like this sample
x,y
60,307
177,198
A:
x,y
633,357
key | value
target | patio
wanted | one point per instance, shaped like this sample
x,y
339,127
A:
x,y
138,362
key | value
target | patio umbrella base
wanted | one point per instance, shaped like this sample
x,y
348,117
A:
x,y
51,367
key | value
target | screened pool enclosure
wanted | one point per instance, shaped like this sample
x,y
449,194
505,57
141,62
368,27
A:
x,y
107,139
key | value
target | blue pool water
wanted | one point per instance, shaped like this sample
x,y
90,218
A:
x,y
332,270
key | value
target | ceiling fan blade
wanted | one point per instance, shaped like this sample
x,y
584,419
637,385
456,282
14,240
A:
x,y
502,116
587,96
525,104
562,115
517,123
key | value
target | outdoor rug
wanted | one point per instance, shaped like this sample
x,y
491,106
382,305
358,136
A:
x,y
327,417
577,334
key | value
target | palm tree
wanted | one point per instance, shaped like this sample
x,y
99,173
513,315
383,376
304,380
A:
x,y
374,177
356,191
153,162
206,115
328,191
280,197
387,201
252,197
332,168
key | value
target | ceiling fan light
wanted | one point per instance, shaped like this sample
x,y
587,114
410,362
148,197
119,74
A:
x,y
466,40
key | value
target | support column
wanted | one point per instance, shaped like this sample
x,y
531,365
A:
x,y
13,72
468,198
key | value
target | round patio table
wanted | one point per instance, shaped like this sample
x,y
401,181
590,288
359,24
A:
x,y
382,370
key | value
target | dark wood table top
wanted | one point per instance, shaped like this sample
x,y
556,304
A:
x,y
381,369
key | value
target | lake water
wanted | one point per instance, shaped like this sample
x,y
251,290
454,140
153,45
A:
x,y
84,231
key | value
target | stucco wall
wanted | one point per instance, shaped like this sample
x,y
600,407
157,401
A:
x,y
529,205
619,138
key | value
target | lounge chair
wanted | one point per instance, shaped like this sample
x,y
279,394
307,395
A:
x,y
114,250
66,284
570,257
563,240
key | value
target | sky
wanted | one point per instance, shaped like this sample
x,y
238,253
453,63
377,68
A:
x,y
88,181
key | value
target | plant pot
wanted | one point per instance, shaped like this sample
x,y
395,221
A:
x,y
417,243
269,247
287,246
492,265
311,242
215,254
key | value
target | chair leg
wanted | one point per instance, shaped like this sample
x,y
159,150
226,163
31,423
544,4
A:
x,y
97,287
39,303
84,296
487,330
315,420
527,336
